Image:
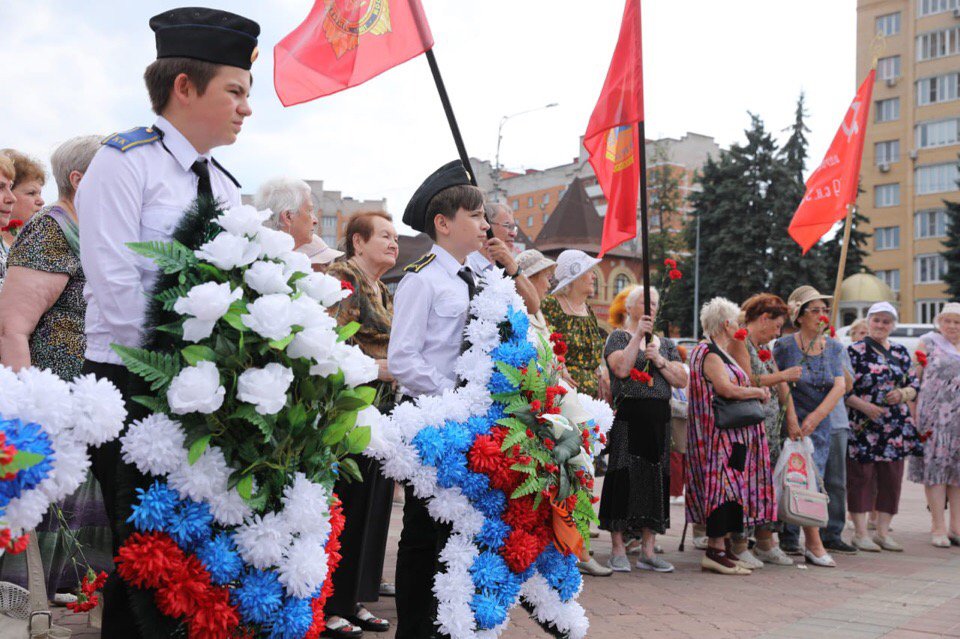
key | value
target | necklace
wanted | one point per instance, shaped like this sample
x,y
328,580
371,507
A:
x,y
570,308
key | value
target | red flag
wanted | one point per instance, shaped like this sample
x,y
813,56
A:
x,y
612,136
833,186
343,43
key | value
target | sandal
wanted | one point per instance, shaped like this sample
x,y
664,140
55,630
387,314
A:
x,y
387,589
340,628
366,620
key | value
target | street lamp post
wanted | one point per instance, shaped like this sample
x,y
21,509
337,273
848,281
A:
x,y
503,120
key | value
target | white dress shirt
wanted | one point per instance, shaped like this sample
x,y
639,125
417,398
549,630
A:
x,y
429,313
479,263
134,196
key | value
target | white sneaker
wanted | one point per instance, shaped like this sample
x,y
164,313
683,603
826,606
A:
x,y
619,563
774,556
747,560
887,543
865,544
700,543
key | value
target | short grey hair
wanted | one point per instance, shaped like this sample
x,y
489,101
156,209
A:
x,y
281,194
634,296
73,155
492,209
716,313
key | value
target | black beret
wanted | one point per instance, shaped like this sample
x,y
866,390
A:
x,y
212,35
450,174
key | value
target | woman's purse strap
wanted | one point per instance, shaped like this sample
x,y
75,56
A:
x,y
35,580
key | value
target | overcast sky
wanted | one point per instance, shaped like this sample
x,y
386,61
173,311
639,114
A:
x,y
73,68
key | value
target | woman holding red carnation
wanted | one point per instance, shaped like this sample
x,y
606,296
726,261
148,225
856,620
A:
x,y
636,490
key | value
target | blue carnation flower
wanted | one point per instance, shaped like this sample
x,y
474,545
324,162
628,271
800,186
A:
x,y
493,533
429,443
516,352
500,384
259,596
491,504
30,438
191,524
496,412
489,570
478,425
509,589
474,485
452,470
155,510
293,620
487,610
560,571
221,559
519,323
457,437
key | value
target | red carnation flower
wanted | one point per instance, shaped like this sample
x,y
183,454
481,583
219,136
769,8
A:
x,y
551,468
674,274
347,286
921,358
5,536
520,549
556,336
833,332
561,359
823,319
535,405
549,444
764,355
642,377
529,433
559,348
740,335
670,263
12,226
18,545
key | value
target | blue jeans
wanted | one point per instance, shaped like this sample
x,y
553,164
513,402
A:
x,y
822,449
835,483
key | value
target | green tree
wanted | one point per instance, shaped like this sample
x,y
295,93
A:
x,y
665,207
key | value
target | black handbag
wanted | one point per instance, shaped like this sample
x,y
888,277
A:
x,y
734,413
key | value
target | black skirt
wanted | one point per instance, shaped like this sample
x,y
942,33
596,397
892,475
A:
x,y
636,488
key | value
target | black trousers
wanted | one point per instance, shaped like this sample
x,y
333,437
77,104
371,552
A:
x,y
128,613
421,540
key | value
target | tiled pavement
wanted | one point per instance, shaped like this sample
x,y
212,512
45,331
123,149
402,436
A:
x,y
909,595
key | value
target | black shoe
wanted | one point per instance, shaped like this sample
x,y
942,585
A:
x,y
840,547
790,548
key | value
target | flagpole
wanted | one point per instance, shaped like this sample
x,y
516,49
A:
x,y
451,118
644,243
847,224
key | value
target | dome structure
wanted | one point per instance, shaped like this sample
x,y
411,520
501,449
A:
x,y
859,292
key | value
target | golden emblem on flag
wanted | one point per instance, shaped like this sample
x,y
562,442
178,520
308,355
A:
x,y
620,147
347,20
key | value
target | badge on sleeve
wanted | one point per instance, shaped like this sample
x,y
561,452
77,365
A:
x,y
136,136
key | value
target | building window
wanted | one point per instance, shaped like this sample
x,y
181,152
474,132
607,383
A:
x,y
546,216
888,68
938,44
940,88
928,309
529,221
930,223
930,7
889,24
891,278
887,238
515,205
886,195
930,268
887,152
546,198
530,201
328,229
888,110
619,283
939,133
596,286
937,178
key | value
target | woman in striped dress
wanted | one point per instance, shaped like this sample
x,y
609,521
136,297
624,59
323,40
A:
x,y
729,483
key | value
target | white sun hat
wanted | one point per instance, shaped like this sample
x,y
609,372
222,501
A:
x,y
571,264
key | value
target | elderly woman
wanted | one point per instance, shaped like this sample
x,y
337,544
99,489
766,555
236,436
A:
x,y
291,202
636,489
815,395
568,312
763,317
27,185
858,330
371,250
938,469
884,432
42,324
7,200
729,483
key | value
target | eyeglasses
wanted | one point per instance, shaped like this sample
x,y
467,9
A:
x,y
819,311
509,227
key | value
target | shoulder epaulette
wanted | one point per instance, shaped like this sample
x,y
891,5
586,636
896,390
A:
x,y
136,136
416,267
225,172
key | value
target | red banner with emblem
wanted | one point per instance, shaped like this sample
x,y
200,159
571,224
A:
x,y
343,43
833,186
612,137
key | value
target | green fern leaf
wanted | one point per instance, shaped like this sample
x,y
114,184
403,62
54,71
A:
x,y
158,369
510,372
528,487
171,257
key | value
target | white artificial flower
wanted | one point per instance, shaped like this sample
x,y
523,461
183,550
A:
x,y
296,262
266,388
98,410
10,394
44,399
274,244
316,343
600,410
303,569
207,303
24,513
242,220
582,460
483,335
306,507
196,389
229,508
204,479
154,445
558,423
358,368
261,541
267,277
228,252
70,466
322,287
270,316
309,313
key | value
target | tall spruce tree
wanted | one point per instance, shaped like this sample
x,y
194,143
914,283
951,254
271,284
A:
x,y
663,189
856,251
951,252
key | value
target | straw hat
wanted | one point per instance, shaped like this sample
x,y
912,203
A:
x,y
571,264
318,251
533,261
803,295
950,308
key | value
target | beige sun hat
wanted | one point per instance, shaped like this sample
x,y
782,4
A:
x,y
803,295
571,264
950,308
533,261
318,251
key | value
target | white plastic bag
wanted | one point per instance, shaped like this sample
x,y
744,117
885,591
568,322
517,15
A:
x,y
796,481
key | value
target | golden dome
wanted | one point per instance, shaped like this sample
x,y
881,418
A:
x,y
862,287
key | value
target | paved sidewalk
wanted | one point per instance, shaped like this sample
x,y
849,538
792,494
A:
x,y
909,595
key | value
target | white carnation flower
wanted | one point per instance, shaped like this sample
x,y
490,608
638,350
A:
x,y
296,262
196,389
270,316
228,252
243,220
202,480
312,343
483,334
304,568
99,412
207,303
267,277
44,399
306,507
274,244
261,541
70,466
266,388
154,445
10,392
322,287
24,513
228,508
